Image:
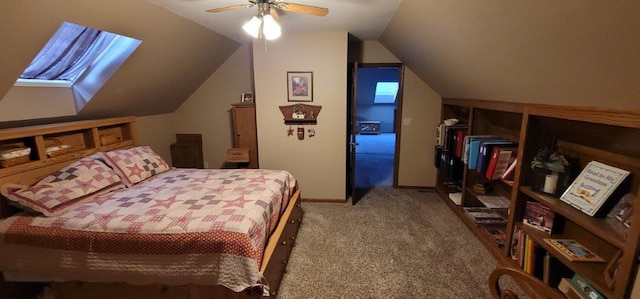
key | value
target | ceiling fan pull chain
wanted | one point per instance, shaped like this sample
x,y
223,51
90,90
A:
x,y
265,45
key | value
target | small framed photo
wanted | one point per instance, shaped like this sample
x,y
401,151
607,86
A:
x,y
300,86
611,269
623,209
247,97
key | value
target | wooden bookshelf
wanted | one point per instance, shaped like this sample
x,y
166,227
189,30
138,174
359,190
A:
x,y
82,138
583,134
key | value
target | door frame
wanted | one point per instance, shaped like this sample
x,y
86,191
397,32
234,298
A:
x,y
398,118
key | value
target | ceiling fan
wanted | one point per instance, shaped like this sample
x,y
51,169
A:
x,y
265,24
264,6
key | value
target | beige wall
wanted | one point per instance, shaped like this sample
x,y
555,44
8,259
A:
x,y
317,162
156,131
205,112
422,105
22,103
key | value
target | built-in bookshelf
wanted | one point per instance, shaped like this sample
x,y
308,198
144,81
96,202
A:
x,y
59,143
582,134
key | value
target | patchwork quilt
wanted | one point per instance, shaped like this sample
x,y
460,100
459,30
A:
x,y
198,226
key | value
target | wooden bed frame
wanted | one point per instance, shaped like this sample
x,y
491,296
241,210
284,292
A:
x,y
87,138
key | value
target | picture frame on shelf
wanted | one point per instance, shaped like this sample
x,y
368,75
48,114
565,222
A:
x,y
300,86
611,269
247,97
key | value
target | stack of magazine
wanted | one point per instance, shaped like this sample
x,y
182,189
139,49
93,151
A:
x,y
483,216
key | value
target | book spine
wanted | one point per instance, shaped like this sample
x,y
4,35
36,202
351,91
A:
x,y
508,174
493,161
482,152
460,142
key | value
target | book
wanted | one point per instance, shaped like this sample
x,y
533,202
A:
x,y
497,235
593,186
538,216
569,289
466,147
514,249
510,171
584,289
482,188
554,270
437,153
485,150
494,201
499,161
573,250
460,134
440,134
482,216
474,149
451,135
538,255
456,197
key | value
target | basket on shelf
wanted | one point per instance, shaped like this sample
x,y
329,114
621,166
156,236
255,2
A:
x,y
238,155
13,154
55,148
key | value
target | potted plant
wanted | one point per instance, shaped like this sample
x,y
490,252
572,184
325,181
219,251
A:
x,y
551,172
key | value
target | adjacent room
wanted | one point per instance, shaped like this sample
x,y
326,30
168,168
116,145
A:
x,y
319,149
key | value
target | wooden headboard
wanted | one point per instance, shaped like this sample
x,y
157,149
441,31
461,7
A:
x,y
84,138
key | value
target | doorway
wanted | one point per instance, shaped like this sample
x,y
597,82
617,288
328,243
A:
x,y
375,107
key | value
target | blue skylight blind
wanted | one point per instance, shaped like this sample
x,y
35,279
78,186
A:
x,y
68,53
386,92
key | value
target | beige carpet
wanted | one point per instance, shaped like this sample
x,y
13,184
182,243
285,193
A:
x,y
395,243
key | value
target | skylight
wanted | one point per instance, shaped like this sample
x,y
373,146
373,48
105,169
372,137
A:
x,y
79,57
386,92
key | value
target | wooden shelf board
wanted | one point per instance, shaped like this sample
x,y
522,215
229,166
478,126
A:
x,y
496,251
598,226
121,144
296,121
591,271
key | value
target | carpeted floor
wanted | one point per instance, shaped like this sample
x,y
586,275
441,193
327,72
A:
x,y
374,160
395,243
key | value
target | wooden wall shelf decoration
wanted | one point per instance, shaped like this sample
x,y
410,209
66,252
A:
x,y
300,114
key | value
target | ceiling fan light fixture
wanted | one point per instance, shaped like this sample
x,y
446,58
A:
x,y
270,28
253,26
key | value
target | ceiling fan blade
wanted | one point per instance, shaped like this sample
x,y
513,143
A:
x,y
305,9
221,9
275,15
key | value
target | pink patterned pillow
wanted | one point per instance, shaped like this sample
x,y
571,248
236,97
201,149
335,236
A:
x,y
136,164
79,182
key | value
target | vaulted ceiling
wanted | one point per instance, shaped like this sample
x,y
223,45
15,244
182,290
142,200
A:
x,y
175,57
580,52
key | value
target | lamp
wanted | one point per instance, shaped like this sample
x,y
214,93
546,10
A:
x,y
270,28
263,25
253,26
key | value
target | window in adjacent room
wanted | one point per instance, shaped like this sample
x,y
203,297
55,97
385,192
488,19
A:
x,y
78,57
386,93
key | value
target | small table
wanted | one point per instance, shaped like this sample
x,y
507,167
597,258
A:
x,y
369,127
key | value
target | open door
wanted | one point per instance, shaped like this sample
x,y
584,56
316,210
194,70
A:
x,y
355,195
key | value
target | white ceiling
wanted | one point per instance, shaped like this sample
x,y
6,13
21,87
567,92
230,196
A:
x,y
366,19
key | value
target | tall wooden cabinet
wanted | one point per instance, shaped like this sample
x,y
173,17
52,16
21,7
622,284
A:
x,y
245,134
584,134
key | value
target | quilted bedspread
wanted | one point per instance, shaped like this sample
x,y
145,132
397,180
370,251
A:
x,y
184,226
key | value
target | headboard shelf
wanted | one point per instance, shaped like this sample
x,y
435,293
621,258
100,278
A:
x,y
70,140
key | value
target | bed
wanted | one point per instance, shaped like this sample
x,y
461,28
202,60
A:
x,y
116,221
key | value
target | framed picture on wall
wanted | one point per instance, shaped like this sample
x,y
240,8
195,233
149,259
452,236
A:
x,y
247,97
300,86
